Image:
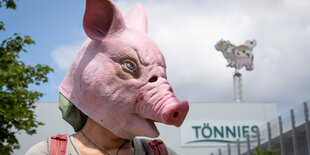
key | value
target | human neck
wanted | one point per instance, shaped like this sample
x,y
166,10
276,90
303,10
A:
x,y
102,137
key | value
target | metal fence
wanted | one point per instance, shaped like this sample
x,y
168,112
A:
x,y
289,134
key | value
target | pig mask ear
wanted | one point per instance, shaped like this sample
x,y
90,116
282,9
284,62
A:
x,y
136,18
101,18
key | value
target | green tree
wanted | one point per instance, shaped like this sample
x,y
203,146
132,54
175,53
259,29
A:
x,y
17,102
266,152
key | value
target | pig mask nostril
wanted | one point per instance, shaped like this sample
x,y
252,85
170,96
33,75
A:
x,y
153,79
175,115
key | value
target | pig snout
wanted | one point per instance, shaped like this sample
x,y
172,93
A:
x,y
160,104
175,113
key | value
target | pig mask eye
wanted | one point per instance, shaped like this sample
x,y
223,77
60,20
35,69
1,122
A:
x,y
129,65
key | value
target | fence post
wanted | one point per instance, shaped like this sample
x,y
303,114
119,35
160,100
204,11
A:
x,y
248,144
269,136
282,146
258,137
294,132
238,146
229,149
307,126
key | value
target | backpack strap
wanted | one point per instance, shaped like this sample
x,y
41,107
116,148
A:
x,y
58,145
158,147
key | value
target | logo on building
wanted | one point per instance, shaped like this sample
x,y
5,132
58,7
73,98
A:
x,y
218,133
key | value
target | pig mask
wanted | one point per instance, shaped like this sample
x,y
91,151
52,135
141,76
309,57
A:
x,y
118,78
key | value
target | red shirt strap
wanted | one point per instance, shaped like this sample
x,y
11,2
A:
x,y
158,147
58,145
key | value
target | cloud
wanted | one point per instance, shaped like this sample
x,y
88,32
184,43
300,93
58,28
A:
x,y
63,55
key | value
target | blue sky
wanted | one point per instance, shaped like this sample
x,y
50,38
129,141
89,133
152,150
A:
x,y
50,24
186,32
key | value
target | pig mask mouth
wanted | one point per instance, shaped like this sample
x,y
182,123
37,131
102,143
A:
x,y
118,78
155,131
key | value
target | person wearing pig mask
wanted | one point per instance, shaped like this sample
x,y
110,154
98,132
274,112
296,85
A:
x,y
115,89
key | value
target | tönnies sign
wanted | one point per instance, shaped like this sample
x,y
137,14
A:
x,y
217,133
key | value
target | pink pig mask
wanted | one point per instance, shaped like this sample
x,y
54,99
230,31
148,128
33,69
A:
x,y
118,78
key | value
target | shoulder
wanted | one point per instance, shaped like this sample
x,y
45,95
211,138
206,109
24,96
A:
x,y
38,149
43,148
